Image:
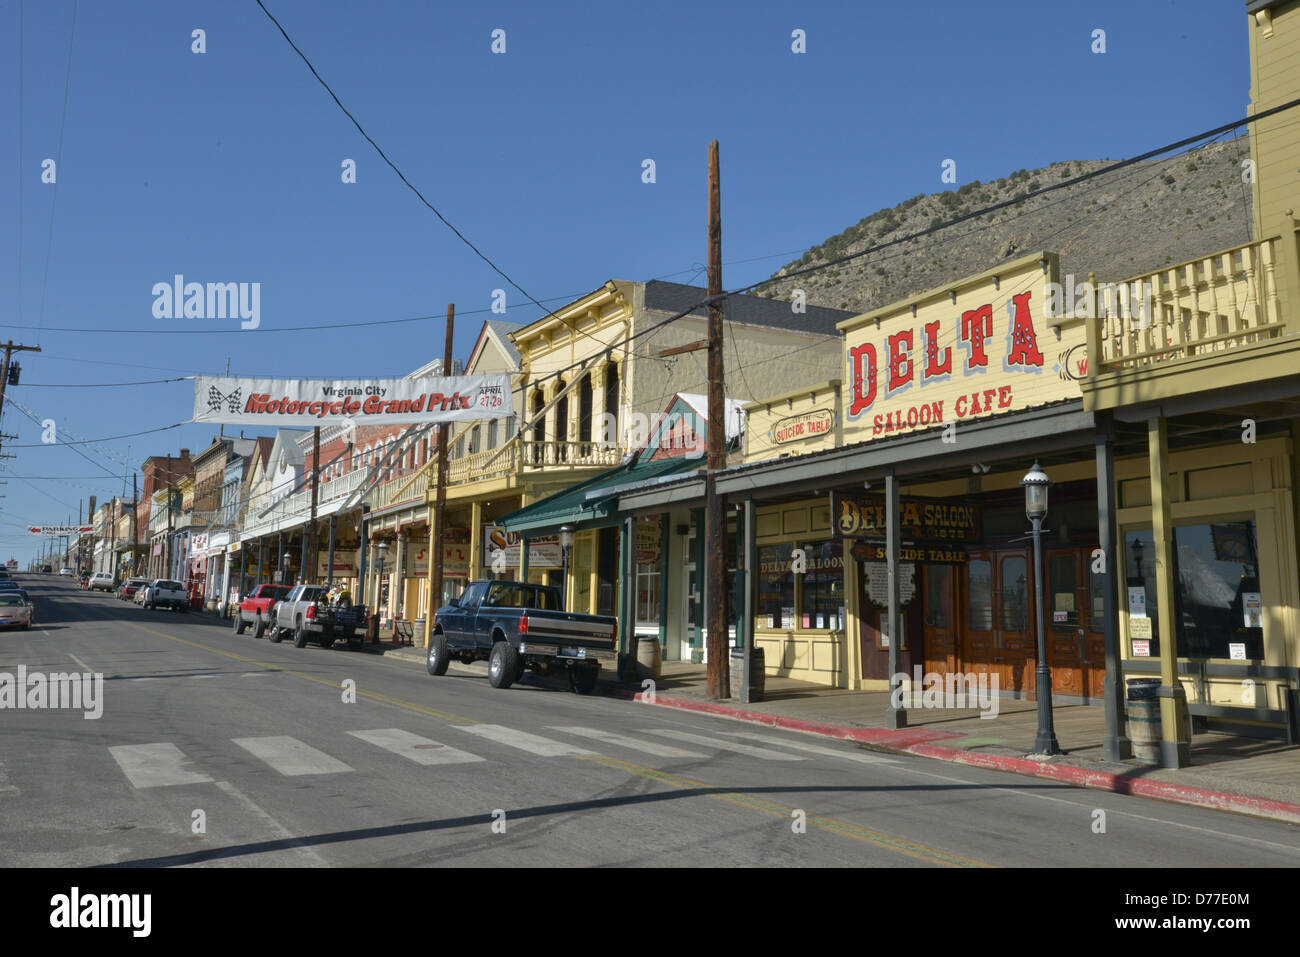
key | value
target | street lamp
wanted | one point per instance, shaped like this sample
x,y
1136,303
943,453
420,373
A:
x,y
566,543
1036,483
284,567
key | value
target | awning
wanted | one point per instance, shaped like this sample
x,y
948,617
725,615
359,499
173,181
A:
x,y
594,503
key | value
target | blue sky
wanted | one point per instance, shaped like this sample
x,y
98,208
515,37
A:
x,y
225,166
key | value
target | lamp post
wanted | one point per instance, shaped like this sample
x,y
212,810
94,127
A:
x,y
1036,483
566,543
284,568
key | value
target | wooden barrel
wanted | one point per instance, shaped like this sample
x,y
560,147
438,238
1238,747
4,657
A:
x,y
1144,719
649,659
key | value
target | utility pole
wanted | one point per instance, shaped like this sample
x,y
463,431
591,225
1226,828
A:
x,y
438,515
10,349
135,528
715,522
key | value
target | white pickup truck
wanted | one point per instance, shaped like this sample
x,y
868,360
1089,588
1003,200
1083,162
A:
x,y
164,591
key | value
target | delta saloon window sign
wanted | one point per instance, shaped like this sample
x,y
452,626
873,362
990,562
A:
x,y
981,347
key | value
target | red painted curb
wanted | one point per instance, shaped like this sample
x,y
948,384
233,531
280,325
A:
x,y
914,741
882,736
1119,783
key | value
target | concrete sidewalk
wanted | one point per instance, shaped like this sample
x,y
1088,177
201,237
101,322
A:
x,y
1244,775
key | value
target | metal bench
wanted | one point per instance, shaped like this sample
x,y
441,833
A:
x,y
403,632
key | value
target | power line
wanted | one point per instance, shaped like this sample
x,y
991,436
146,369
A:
x,y
400,175
101,385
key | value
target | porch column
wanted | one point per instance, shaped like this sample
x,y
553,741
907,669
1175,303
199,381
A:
x,y
698,596
476,541
1175,751
626,607
665,542
895,717
398,591
1116,746
749,582
523,557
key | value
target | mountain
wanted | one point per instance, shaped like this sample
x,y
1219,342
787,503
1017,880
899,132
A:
x,y
1118,225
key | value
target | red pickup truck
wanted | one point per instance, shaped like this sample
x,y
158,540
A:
x,y
256,608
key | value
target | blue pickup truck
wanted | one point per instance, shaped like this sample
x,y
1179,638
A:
x,y
514,626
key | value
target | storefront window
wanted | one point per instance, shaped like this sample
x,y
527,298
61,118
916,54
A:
x,y
1061,579
775,587
980,576
823,586
1015,594
938,582
647,597
1218,607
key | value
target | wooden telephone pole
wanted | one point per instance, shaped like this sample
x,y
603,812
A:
x,y
715,521
438,515
715,540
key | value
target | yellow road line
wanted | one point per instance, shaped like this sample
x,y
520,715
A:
x,y
910,848
373,696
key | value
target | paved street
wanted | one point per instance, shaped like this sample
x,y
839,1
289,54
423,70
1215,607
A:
x,y
418,770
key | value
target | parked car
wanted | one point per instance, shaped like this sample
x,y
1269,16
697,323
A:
x,y
128,588
68,572
101,581
47,568
307,615
14,612
164,591
257,608
513,626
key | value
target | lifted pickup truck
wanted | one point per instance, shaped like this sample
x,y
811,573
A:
x,y
256,608
307,615
514,626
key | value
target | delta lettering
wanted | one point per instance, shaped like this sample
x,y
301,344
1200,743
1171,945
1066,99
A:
x,y
904,368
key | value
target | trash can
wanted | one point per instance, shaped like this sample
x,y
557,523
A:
x,y
757,673
1144,719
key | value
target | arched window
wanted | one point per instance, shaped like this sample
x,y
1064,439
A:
x,y
561,425
584,415
611,403
539,426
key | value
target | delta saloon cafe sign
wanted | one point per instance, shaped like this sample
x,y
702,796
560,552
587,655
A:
x,y
981,347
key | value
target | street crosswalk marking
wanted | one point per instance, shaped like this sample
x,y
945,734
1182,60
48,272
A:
x,y
765,754
412,746
532,743
290,756
848,755
635,744
155,765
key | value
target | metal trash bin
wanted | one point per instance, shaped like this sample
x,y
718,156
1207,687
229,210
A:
x,y
1143,709
757,673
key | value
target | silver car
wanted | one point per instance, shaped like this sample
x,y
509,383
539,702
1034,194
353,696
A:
x,y
14,612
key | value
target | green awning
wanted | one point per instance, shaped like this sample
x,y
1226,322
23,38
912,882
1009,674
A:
x,y
594,503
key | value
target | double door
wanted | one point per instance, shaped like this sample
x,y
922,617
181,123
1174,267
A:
x,y
996,626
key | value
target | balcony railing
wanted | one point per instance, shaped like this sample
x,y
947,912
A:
x,y
296,508
1210,304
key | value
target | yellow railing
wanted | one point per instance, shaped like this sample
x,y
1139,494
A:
x,y
1213,303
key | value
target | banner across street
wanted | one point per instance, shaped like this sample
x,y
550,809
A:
x,y
303,402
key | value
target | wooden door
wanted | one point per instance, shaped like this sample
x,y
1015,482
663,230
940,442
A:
x,y
1063,599
1015,652
975,617
939,627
